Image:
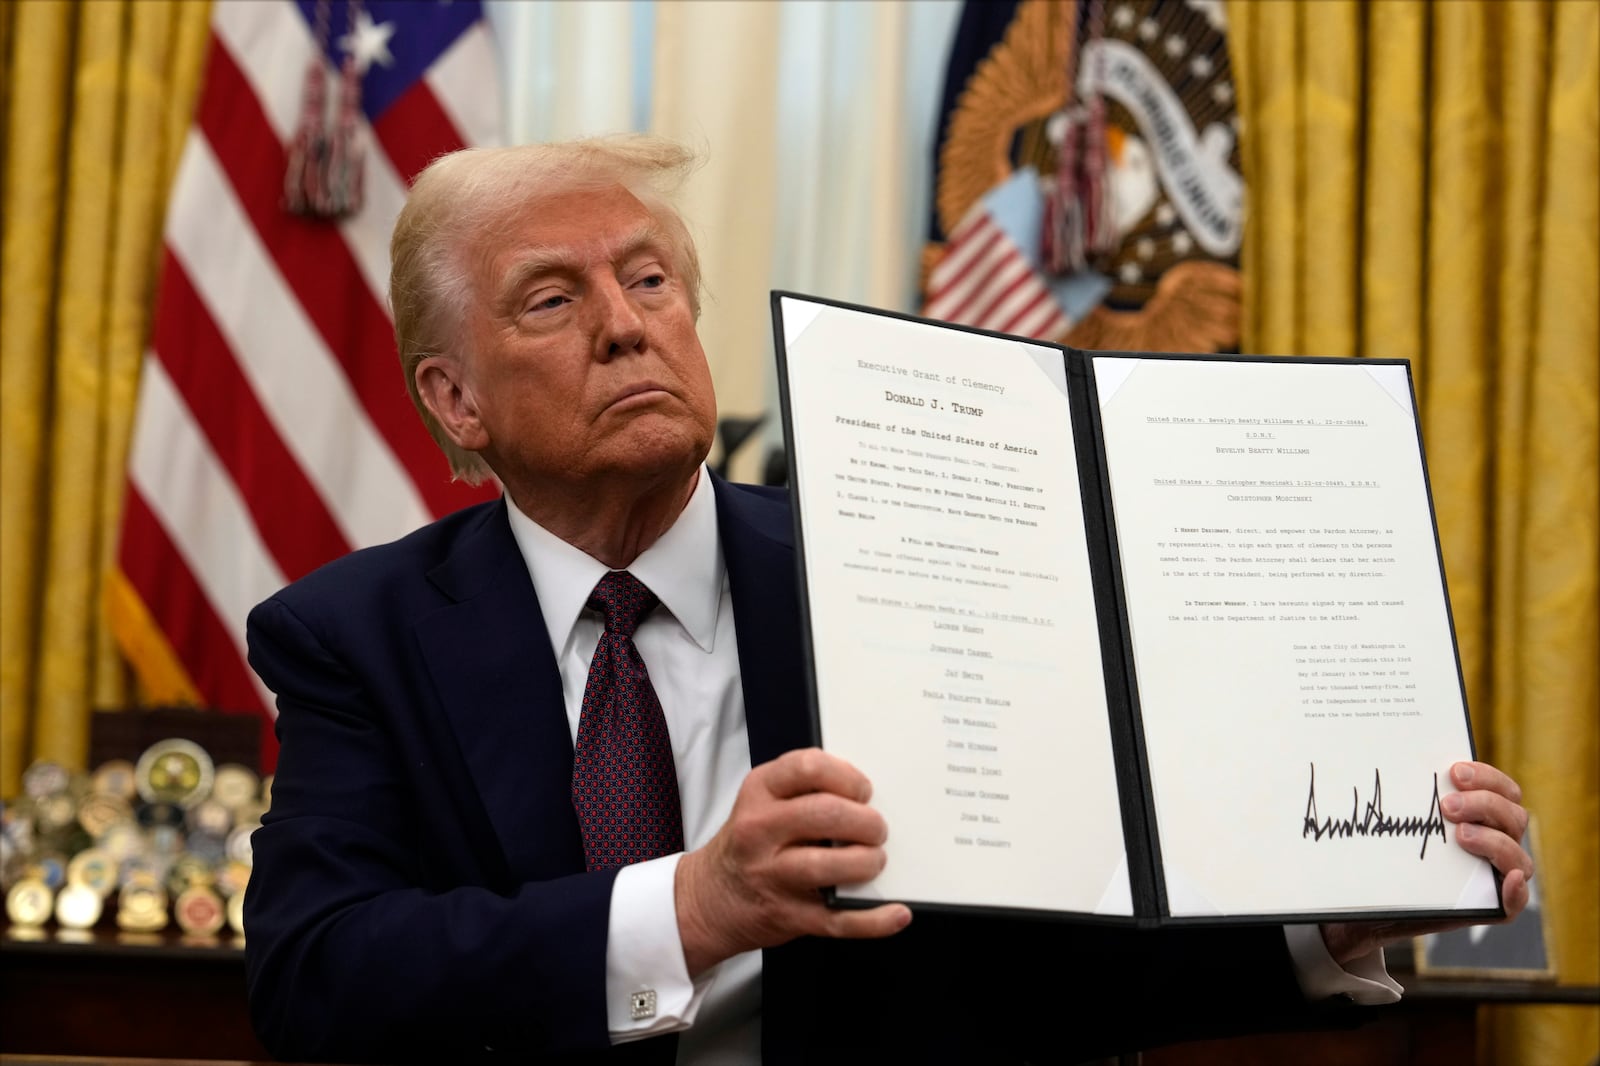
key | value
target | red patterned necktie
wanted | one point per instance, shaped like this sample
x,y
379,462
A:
x,y
624,782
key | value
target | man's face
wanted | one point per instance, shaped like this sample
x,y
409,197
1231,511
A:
x,y
584,364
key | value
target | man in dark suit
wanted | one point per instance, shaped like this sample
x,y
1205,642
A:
x,y
438,877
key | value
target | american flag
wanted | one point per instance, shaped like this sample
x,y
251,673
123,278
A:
x,y
984,280
273,431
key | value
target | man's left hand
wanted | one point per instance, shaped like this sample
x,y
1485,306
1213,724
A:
x,y
1490,822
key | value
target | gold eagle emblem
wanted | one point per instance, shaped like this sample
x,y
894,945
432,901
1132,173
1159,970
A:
x,y
1167,293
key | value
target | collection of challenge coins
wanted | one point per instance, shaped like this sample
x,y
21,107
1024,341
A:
x,y
169,838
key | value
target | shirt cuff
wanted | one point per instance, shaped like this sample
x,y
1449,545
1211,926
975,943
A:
x,y
648,990
1365,979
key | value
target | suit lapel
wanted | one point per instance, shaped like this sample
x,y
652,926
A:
x,y
758,550
496,676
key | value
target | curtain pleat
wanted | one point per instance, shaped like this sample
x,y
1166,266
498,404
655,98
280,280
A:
x,y
1275,180
1330,103
38,92
66,641
1526,35
1461,310
165,58
1394,181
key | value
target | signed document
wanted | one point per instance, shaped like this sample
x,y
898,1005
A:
x,y
1126,635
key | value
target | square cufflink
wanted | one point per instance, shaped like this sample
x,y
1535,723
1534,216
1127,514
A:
x,y
642,1005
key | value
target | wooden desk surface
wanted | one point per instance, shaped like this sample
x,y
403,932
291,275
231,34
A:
x,y
104,993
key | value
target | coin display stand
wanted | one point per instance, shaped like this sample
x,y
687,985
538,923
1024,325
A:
x,y
138,844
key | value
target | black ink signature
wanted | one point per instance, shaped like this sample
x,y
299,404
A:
x,y
1373,822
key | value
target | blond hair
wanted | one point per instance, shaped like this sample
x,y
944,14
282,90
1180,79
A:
x,y
459,195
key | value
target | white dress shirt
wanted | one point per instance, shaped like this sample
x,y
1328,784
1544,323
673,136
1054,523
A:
x,y
688,646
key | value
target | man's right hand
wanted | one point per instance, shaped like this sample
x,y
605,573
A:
x,y
755,884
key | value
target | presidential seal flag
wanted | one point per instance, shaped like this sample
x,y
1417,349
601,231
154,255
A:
x,y
273,431
1100,137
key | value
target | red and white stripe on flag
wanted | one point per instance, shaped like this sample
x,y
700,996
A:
x,y
273,430
984,280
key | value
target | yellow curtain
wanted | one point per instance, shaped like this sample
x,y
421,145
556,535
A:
x,y
1422,182
98,96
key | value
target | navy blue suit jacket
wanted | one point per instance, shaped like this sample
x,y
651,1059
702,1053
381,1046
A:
x,y
419,888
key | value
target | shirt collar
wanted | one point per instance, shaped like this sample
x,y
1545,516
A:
x,y
683,568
